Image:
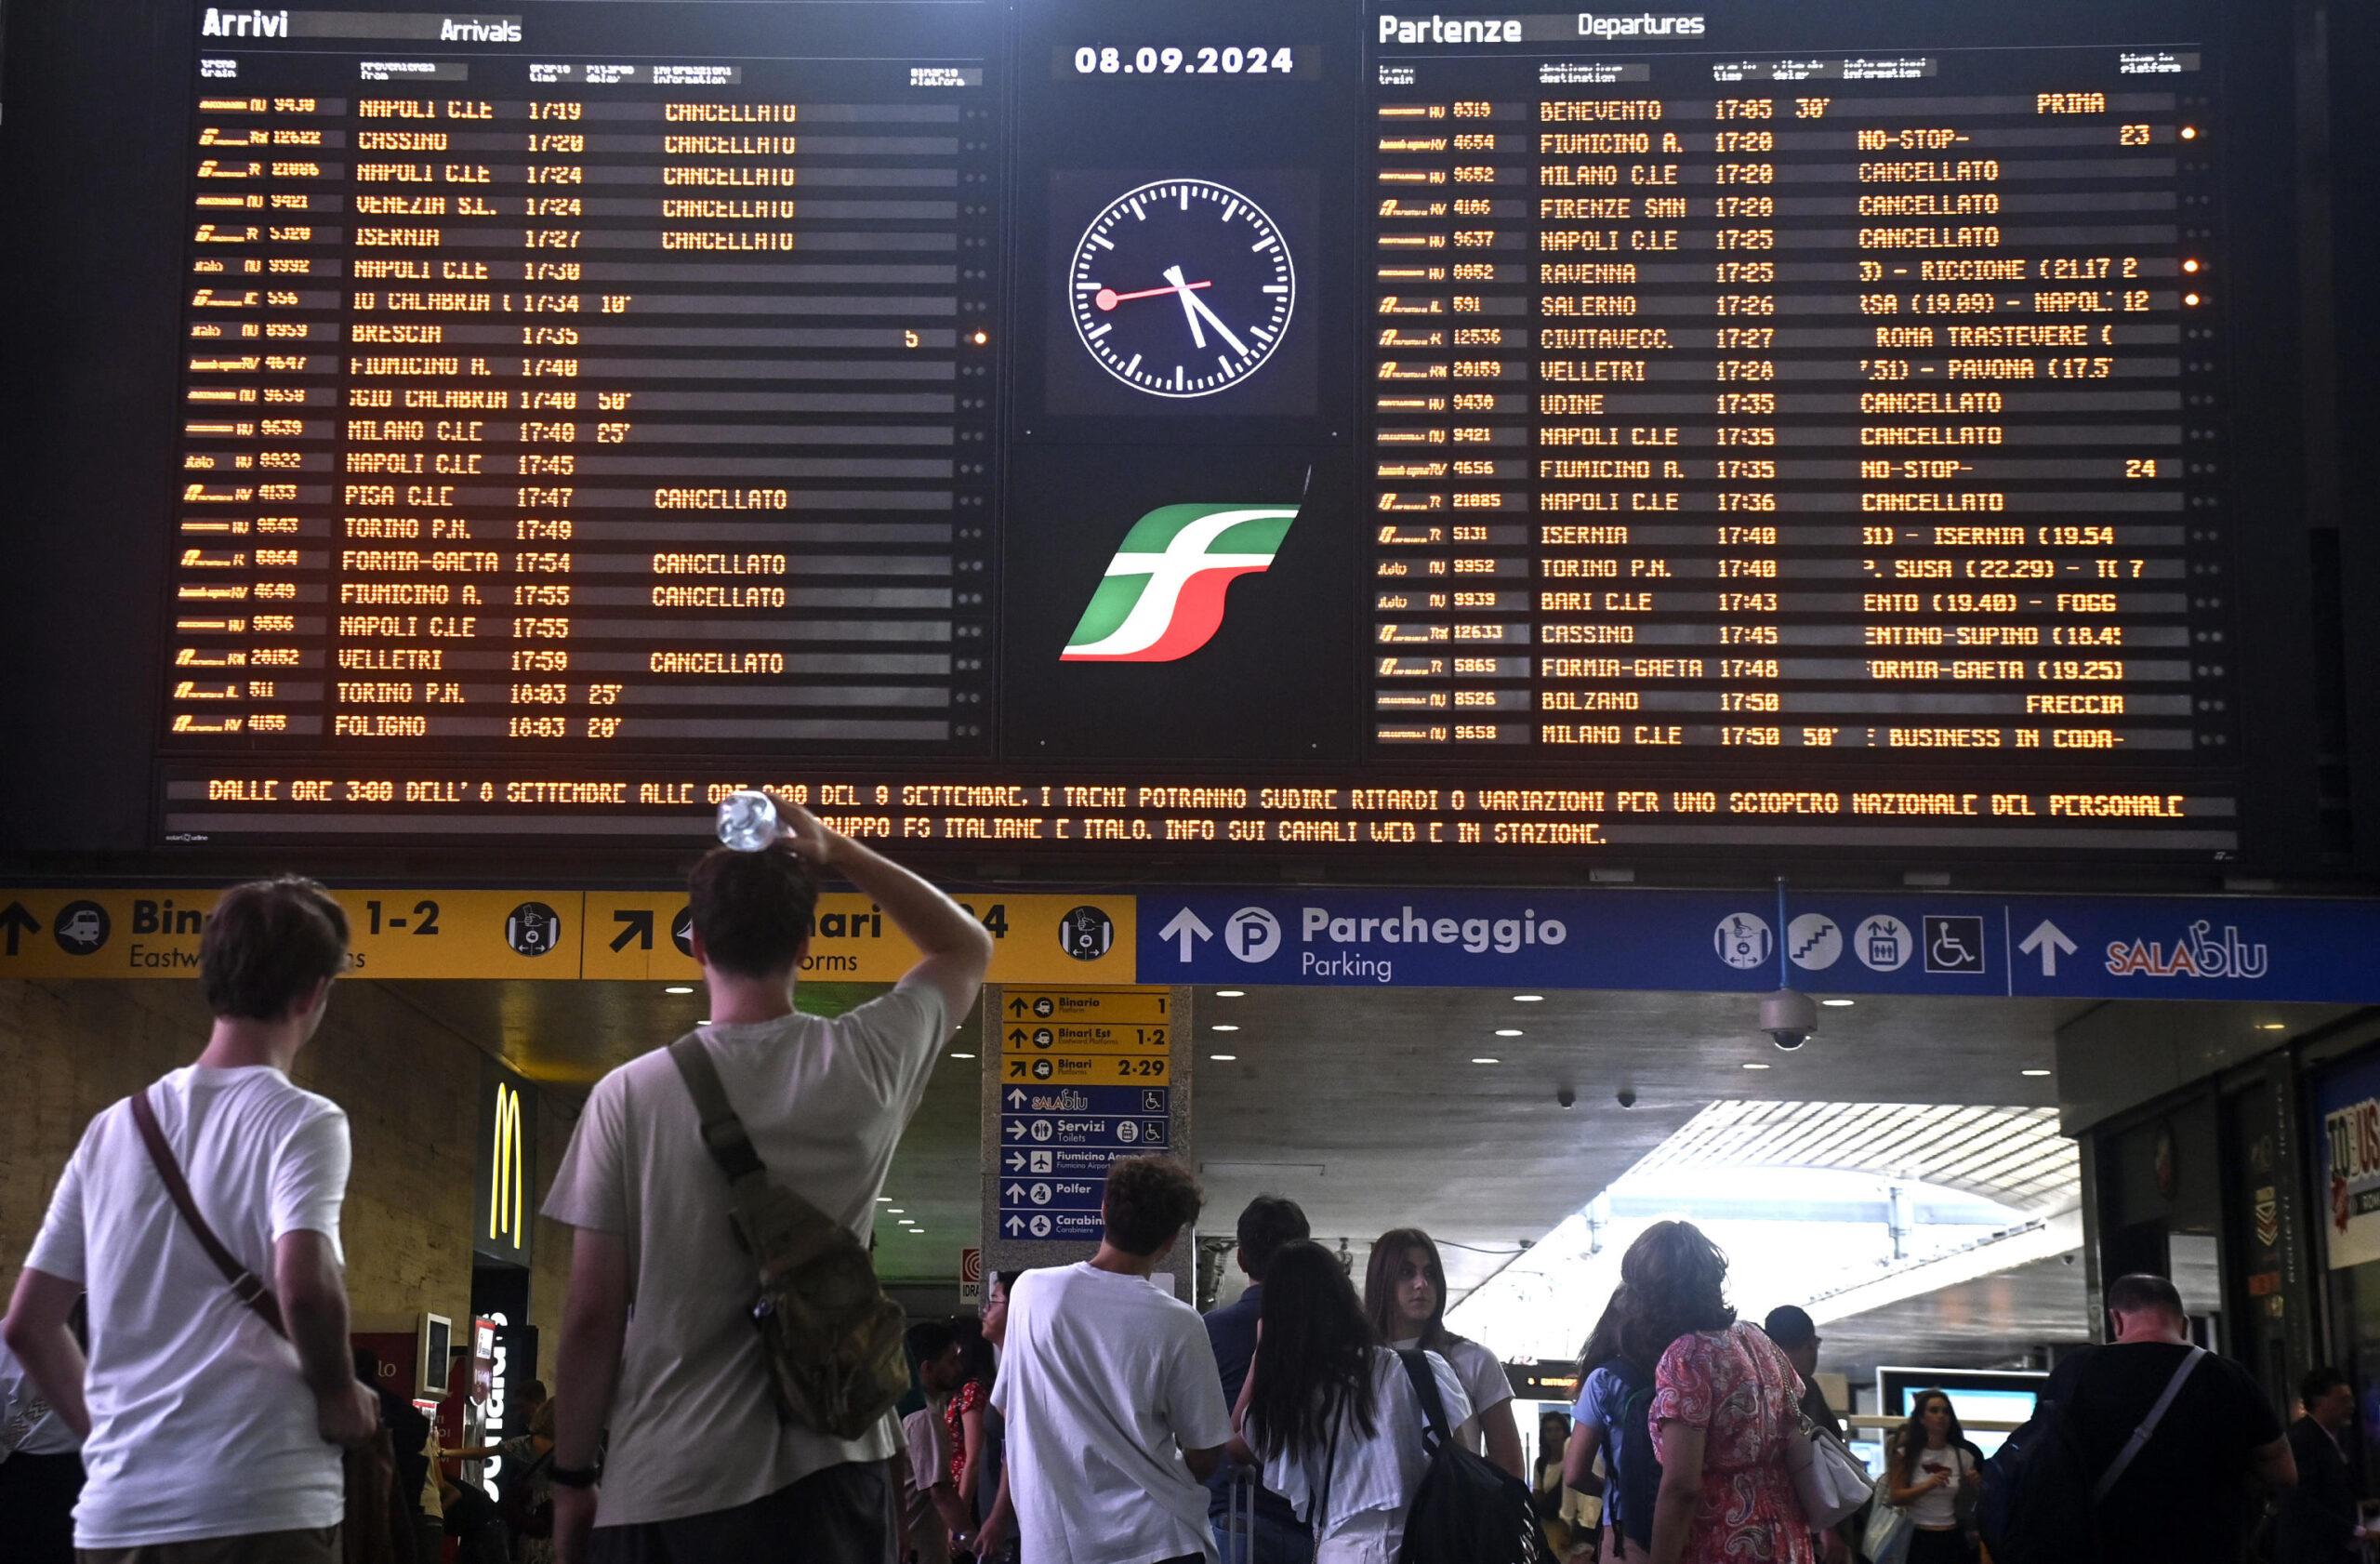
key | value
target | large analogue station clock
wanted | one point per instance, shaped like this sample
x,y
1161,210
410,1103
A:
x,y
1181,288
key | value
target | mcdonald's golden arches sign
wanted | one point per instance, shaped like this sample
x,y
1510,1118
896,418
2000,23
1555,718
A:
x,y
505,1214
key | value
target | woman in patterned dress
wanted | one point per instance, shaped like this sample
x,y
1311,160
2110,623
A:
x,y
1723,1408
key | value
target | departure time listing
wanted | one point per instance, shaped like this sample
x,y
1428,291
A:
x,y
1823,402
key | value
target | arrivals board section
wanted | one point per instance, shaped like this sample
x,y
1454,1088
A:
x,y
557,395
1284,427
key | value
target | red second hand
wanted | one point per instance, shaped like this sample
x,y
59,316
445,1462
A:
x,y
1108,299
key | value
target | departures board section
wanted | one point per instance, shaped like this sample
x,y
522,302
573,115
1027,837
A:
x,y
1739,397
1303,427
601,375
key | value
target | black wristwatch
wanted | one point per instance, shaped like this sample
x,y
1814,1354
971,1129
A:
x,y
574,1477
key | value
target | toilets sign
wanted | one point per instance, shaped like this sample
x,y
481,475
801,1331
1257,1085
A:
x,y
2207,948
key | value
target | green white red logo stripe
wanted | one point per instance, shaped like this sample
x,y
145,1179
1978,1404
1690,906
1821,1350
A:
x,y
1162,597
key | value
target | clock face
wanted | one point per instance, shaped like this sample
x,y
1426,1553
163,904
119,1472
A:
x,y
1181,288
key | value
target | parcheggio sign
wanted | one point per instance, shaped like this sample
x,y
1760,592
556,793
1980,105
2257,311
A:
x,y
1338,945
1829,941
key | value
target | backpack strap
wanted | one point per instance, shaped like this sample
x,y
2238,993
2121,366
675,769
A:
x,y
2148,1429
1434,1431
723,1134
246,1285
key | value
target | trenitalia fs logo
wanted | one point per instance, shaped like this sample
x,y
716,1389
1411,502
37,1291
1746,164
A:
x,y
507,1213
1162,597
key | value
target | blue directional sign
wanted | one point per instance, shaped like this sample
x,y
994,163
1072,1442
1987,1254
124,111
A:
x,y
1052,1194
1082,1227
1123,1137
1086,1099
1903,942
1046,1161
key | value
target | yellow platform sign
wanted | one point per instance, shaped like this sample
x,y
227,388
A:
x,y
65,934
1035,937
1038,937
1088,1070
1043,1036
1150,1006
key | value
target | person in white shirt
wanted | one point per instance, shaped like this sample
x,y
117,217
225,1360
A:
x,y
41,1473
1405,1292
208,1435
700,1465
1332,1413
1114,1407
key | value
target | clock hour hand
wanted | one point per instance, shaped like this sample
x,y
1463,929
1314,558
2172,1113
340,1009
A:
x,y
1195,302
1189,304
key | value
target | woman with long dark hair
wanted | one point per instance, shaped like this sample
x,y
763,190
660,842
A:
x,y
1615,1393
1332,1413
1931,1464
1405,1294
1726,1404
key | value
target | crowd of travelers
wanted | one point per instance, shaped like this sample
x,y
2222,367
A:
x,y
178,1385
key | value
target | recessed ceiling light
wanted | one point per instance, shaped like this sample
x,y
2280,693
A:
x,y
1754,1067
1839,1004
2272,1025
1487,1061
884,1199
962,1055
1527,999
679,989
1508,1031
1231,993
916,1232
1223,1058
2034,1072
1222,1028
895,1211
908,1222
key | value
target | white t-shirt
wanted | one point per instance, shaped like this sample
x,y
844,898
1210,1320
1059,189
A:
x,y
926,1463
694,1423
46,1432
1103,1376
1483,1381
200,1423
1939,1509
1371,1481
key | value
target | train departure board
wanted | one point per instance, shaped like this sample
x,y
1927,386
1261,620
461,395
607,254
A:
x,y
1299,428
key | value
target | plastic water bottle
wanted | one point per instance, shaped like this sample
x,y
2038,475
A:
x,y
748,821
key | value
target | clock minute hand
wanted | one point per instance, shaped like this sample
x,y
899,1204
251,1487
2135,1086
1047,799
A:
x,y
1216,321
1189,304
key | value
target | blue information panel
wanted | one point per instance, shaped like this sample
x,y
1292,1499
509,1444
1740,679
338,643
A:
x,y
1056,1144
2213,947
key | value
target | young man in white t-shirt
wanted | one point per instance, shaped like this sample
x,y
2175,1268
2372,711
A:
x,y
1114,1406
700,1467
208,1435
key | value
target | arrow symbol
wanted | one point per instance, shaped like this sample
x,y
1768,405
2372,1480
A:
x,y
1015,1097
1015,1192
1015,1225
18,923
1016,1161
1186,929
1015,1131
1016,1007
1016,1034
2051,941
634,925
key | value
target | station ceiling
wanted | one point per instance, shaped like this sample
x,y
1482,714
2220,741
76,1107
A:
x,y
1366,1106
